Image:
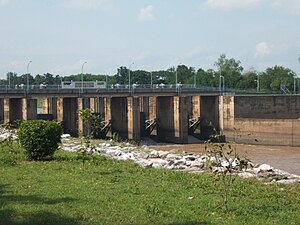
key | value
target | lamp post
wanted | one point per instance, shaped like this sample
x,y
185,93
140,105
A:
x,y
9,80
194,80
257,86
294,85
28,75
82,76
129,82
221,87
106,80
176,77
151,79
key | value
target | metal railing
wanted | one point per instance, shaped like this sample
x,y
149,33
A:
x,y
135,88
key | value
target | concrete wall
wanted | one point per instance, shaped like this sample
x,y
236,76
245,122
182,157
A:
x,y
267,107
271,120
266,131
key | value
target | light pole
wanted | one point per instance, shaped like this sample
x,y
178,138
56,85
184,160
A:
x,y
82,76
129,82
151,79
221,87
194,80
176,77
294,85
9,80
106,80
257,86
28,75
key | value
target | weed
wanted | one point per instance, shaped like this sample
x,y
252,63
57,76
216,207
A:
x,y
225,163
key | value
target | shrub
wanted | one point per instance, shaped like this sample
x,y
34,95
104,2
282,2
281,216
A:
x,y
40,138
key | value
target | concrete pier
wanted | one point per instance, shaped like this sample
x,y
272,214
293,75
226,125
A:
x,y
172,119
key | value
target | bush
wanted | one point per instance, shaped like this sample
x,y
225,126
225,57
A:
x,y
40,138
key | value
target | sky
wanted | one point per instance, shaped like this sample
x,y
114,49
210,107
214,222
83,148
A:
x,y
58,36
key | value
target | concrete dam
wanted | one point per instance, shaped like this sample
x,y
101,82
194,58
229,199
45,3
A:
x,y
167,115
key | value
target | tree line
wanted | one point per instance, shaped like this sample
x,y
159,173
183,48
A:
x,y
229,72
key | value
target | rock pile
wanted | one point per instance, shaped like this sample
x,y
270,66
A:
x,y
148,158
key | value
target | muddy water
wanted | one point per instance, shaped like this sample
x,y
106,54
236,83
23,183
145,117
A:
x,y
280,157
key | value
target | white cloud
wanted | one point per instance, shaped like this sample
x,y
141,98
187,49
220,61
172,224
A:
x,y
61,69
288,6
142,55
146,14
3,2
231,4
90,4
262,49
194,52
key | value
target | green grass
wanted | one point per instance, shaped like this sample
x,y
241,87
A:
x,y
104,191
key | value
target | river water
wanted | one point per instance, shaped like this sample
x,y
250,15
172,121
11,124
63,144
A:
x,y
280,157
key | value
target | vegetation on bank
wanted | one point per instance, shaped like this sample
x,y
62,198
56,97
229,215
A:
x,y
229,73
63,190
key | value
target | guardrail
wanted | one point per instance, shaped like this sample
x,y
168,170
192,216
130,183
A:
x,y
140,88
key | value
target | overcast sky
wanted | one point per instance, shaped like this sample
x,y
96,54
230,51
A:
x,y
59,35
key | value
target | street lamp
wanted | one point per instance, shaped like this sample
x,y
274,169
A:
x,y
82,76
129,74
176,76
257,86
151,79
194,80
28,75
106,80
220,83
294,85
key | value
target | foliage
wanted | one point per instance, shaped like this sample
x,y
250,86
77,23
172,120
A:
x,y
234,76
225,163
40,138
248,80
93,121
118,192
276,77
86,150
116,137
122,76
231,69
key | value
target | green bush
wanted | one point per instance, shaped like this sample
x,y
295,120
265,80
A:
x,y
40,138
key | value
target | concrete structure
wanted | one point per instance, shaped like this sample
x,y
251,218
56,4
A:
x,y
272,120
256,119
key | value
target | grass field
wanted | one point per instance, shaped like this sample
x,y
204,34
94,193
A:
x,y
65,190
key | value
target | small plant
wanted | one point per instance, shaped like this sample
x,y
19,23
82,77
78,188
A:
x,y
86,151
40,138
225,163
116,137
93,121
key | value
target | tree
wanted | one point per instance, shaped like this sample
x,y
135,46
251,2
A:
x,y
230,69
122,75
248,80
185,74
140,77
206,78
276,77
